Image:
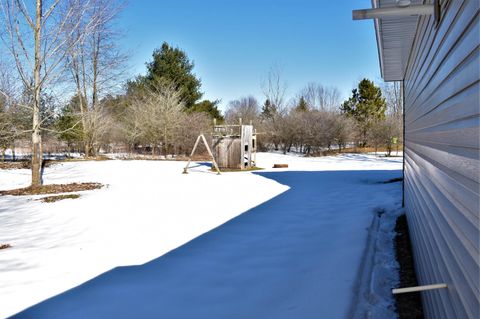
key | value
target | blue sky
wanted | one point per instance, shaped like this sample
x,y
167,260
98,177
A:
x,y
235,42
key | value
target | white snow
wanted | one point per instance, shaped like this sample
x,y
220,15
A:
x,y
298,251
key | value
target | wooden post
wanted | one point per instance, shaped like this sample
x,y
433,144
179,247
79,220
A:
x,y
191,154
255,147
242,148
201,137
210,152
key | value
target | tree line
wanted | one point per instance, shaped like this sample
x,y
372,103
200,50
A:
x,y
63,80
316,120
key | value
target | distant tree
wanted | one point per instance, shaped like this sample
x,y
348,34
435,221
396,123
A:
x,y
191,125
68,124
245,108
115,105
343,130
393,97
95,61
172,65
7,133
365,106
321,97
153,117
386,133
208,107
268,110
302,105
274,88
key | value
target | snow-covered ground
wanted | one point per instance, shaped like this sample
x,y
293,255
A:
x,y
301,249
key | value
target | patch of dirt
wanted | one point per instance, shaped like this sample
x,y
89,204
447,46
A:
x,y
52,189
409,305
15,165
356,150
56,198
5,246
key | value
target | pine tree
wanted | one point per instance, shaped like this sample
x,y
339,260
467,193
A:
x,y
365,106
209,107
69,124
268,110
302,105
172,65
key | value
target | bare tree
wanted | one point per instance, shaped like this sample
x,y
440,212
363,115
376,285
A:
x,y
95,62
275,88
393,93
96,126
393,96
37,38
155,116
343,130
245,108
6,129
321,97
191,125
7,133
386,133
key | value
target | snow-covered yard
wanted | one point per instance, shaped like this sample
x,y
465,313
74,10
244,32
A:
x,y
288,243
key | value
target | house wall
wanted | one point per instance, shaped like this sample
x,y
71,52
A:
x,y
442,164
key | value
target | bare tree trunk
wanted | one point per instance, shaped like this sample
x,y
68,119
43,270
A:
x,y
86,129
36,134
81,99
96,52
83,114
165,145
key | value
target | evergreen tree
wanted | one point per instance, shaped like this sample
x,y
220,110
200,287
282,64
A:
x,y
172,65
365,106
69,124
7,134
209,107
302,105
268,110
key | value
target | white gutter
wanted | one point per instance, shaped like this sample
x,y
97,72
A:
x,y
376,23
377,13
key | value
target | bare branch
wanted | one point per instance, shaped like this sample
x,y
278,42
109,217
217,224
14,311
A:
x,y
23,9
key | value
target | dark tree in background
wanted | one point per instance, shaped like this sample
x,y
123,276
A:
x,y
365,106
302,105
173,65
69,125
208,107
268,110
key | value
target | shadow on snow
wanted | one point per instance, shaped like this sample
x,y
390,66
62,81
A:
x,y
294,256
